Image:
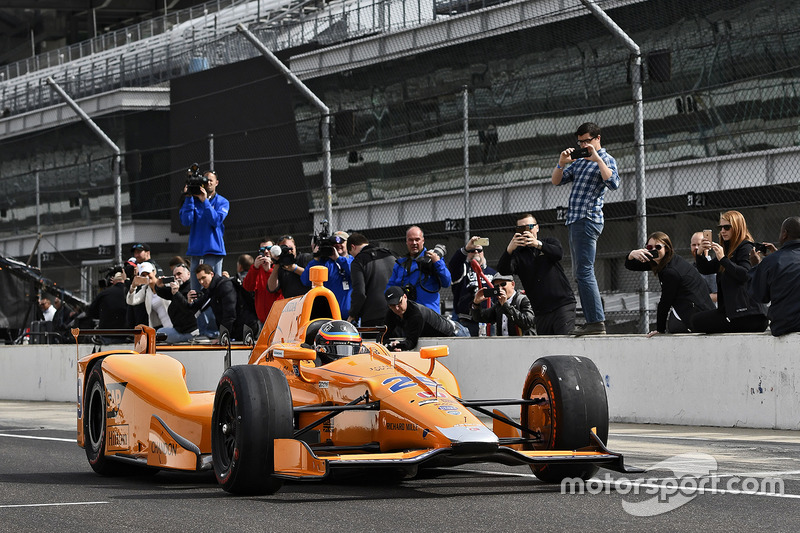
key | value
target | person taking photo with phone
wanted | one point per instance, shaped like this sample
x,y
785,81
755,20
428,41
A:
x,y
729,259
682,287
511,313
537,262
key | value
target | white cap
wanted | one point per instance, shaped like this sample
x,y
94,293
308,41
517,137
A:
x,y
146,268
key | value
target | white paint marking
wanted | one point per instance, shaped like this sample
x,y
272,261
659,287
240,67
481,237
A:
x,y
50,504
36,438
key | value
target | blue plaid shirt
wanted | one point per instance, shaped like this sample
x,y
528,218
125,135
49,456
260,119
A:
x,y
588,191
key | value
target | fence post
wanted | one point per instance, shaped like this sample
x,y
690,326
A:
x,y
467,206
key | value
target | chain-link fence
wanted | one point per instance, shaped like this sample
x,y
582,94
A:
x,y
721,124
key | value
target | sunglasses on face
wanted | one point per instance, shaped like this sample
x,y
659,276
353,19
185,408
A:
x,y
654,247
726,227
477,251
500,283
526,227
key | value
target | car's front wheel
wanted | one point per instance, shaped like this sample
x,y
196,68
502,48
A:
x,y
572,402
252,408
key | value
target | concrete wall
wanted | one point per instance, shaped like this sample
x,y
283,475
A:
x,y
745,380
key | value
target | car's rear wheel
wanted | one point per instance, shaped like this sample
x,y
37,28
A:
x,y
95,409
573,402
252,408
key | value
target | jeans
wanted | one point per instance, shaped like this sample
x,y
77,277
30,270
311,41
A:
x,y
174,336
459,329
583,235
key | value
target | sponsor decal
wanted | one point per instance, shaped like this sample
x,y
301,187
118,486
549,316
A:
x,y
426,402
401,426
448,408
324,384
277,352
399,383
117,438
79,398
114,394
163,448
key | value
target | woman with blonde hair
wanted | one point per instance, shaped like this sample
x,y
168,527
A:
x,y
730,261
682,287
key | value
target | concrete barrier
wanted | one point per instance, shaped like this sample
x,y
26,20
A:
x,y
743,380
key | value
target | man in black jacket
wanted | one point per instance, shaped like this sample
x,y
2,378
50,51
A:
x,y
220,294
414,321
512,313
369,273
537,262
109,306
184,322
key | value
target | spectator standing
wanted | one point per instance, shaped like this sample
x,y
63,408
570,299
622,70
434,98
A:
x,y
338,267
46,306
682,287
288,269
422,273
465,281
590,177
109,306
737,311
710,279
512,314
184,322
141,253
776,278
369,273
139,314
204,213
256,281
537,262
415,320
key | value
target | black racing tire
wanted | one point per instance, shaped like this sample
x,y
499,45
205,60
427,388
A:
x,y
94,426
574,402
252,408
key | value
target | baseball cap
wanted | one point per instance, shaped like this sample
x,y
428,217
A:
x,y
393,295
503,277
119,276
146,268
140,246
343,234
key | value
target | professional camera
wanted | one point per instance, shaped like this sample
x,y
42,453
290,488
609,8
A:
x,y
282,255
195,180
323,241
107,275
426,263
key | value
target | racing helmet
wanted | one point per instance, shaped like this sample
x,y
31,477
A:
x,y
337,339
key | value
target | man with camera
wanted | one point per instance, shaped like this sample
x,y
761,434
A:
x,y
421,273
775,278
537,262
288,269
220,294
511,313
465,280
176,291
326,254
204,212
591,170
256,281
414,320
109,305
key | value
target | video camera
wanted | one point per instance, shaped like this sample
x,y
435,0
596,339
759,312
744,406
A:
x,y
426,263
324,241
195,180
107,275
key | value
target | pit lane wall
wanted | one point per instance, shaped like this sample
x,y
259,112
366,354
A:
x,y
743,380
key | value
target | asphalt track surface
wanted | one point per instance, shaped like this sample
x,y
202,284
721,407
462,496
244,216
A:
x,y
752,483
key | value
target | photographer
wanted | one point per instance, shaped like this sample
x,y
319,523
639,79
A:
x,y
327,255
142,292
465,280
220,293
512,314
204,212
289,267
256,281
109,305
176,291
421,273
414,321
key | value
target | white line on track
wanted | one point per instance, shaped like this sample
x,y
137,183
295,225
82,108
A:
x,y
49,504
35,438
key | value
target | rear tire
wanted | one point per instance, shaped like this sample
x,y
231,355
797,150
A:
x,y
95,419
252,408
574,402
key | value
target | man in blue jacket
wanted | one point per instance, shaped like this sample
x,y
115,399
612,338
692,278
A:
x,y
421,273
326,254
204,214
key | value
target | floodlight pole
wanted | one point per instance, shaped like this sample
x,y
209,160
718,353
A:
x,y
319,104
116,164
638,134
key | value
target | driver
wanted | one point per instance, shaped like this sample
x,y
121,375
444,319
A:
x,y
336,339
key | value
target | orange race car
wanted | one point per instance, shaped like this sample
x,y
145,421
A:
x,y
315,398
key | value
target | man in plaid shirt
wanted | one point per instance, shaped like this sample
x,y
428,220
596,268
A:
x,y
590,174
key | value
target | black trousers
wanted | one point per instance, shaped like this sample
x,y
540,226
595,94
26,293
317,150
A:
x,y
559,321
715,321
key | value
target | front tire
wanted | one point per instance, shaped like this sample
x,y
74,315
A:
x,y
252,408
574,402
